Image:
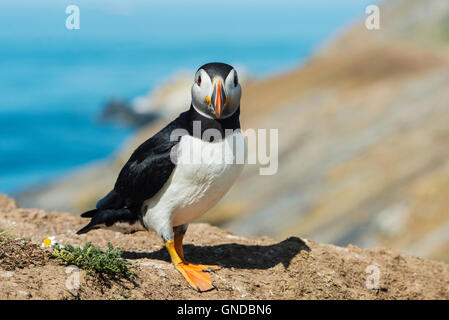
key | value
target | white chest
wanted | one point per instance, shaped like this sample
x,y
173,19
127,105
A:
x,y
203,174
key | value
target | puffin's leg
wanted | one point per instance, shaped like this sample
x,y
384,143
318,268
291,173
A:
x,y
179,233
198,279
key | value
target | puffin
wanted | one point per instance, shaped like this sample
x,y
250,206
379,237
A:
x,y
181,172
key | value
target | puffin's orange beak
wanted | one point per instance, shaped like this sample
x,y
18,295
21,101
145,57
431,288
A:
x,y
219,98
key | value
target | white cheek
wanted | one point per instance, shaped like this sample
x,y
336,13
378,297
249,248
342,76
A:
x,y
200,92
206,90
234,93
196,91
229,88
206,83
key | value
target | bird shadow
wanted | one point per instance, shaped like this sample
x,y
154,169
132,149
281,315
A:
x,y
233,255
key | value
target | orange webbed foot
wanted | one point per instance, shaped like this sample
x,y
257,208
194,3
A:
x,y
196,277
203,267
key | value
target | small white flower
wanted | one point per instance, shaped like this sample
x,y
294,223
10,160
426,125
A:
x,y
48,242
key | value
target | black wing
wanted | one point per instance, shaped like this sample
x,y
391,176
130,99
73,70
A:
x,y
149,167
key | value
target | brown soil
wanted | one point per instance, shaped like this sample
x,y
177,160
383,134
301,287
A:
x,y
253,268
19,253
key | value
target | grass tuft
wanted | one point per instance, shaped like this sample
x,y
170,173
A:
x,y
89,257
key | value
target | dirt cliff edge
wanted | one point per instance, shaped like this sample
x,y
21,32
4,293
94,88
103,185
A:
x,y
252,267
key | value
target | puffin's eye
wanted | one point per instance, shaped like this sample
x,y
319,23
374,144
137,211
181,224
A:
x,y
236,79
198,81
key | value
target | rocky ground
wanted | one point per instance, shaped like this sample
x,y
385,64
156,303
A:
x,y
252,268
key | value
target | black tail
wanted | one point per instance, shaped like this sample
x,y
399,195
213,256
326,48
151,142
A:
x,y
89,214
86,229
107,218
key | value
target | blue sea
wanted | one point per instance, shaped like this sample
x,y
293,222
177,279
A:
x,y
54,81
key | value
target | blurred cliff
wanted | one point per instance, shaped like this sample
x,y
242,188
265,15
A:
x,y
363,143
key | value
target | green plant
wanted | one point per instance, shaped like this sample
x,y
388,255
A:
x,y
89,257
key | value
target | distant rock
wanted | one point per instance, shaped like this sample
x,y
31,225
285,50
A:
x,y
121,112
169,98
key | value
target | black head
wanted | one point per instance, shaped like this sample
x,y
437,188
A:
x,y
216,92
